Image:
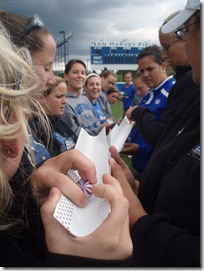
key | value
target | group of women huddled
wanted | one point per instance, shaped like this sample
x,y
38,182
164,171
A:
x,y
152,223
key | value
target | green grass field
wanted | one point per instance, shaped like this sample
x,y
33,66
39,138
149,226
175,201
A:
x,y
117,110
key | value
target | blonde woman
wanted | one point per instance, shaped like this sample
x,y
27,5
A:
x,y
33,34
17,207
23,241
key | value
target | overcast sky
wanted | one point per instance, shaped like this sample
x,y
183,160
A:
x,y
95,20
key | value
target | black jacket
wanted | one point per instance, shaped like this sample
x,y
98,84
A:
x,y
170,193
61,138
16,253
152,129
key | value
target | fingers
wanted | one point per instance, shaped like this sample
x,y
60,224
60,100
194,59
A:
x,y
112,192
69,188
51,202
48,208
116,156
109,183
114,152
74,159
108,179
118,173
45,178
55,234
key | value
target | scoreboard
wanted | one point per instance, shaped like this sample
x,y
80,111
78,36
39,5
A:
x,y
117,53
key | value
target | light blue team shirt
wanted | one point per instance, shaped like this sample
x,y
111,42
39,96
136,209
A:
x,y
99,112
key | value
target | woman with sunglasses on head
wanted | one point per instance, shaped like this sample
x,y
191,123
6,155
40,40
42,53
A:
x,y
27,243
31,33
42,47
17,238
173,52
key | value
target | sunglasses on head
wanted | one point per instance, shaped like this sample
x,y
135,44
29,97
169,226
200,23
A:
x,y
34,23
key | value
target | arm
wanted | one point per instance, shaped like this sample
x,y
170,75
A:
x,y
145,122
157,241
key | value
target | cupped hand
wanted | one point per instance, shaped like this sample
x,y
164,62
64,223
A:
x,y
111,240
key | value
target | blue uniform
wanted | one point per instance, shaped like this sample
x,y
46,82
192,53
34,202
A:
x,y
104,104
155,100
99,112
129,94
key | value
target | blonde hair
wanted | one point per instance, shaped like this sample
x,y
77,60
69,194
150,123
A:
x,y
17,80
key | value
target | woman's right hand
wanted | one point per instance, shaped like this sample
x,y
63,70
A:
x,y
53,173
111,240
129,112
130,148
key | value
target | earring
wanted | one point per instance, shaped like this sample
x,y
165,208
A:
x,y
8,153
7,150
11,153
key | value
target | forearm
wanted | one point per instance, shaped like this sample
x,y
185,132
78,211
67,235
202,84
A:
x,y
149,127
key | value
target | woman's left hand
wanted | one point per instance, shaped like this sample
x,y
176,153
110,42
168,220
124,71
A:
x,y
122,173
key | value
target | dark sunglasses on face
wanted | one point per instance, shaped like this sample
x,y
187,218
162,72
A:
x,y
182,33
